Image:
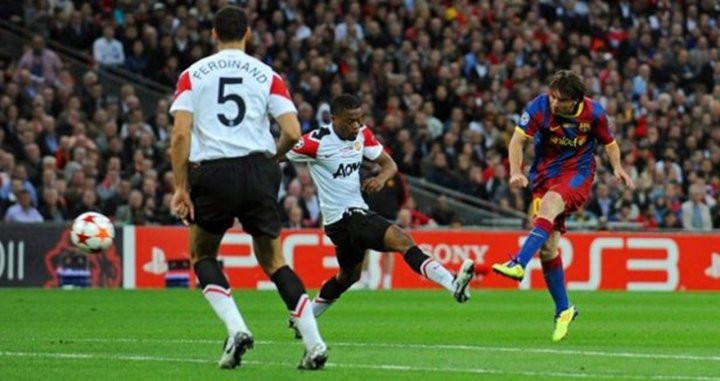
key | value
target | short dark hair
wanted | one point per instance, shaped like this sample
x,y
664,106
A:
x,y
343,102
568,84
231,23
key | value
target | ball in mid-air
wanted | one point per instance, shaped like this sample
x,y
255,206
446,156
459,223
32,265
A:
x,y
92,232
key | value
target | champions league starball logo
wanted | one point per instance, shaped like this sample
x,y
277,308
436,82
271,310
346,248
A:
x,y
105,267
525,118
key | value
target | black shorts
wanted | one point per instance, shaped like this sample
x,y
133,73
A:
x,y
357,231
245,188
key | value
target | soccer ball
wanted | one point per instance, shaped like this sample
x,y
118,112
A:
x,y
92,232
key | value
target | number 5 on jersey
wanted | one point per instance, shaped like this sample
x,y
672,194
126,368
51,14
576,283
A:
x,y
230,97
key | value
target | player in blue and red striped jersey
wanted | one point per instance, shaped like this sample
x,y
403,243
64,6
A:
x,y
566,128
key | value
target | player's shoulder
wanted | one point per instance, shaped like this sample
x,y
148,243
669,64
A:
x,y
195,66
318,134
368,136
256,64
309,143
595,106
539,104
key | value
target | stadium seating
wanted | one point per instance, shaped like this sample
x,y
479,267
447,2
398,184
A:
x,y
443,86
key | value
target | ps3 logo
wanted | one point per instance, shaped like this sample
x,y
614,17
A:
x,y
599,246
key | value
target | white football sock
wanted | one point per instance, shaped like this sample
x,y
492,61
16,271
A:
x,y
387,281
364,279
437,273
319,305
222,302
305,322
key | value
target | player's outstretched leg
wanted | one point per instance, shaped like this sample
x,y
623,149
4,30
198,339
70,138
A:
x,y
555,279
292,291
398,240
216,290
551,205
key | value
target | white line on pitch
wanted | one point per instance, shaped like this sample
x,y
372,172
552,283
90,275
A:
x,y
569,352
388,367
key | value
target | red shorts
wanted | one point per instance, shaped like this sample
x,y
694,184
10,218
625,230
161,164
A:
x,y
575,192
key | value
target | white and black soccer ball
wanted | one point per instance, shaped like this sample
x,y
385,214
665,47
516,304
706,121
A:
x,y
92,232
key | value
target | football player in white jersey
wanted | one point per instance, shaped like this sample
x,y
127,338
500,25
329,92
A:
x,y
224,167
334,155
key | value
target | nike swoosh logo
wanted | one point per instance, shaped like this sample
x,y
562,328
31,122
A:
x,y
536,235
555,128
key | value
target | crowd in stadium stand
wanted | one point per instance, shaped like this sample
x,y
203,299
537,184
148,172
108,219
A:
x,y
443,84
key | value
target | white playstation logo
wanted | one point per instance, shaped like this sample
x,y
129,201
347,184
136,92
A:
x,y
714,270
157,265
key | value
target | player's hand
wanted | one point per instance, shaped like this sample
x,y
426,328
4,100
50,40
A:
x,y
182,207
621,175
372,184
518,180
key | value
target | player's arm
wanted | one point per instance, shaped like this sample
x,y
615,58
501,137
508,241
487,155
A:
x,y
612,149
281,107
179,155
613,152
289,133
388,169
515,153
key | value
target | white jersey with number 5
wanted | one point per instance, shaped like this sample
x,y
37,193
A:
x,y
335,167
231,96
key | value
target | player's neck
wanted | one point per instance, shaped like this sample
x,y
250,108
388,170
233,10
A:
x,y
234,45
339,135
576,111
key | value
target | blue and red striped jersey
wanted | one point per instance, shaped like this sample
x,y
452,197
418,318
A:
x,y
564,144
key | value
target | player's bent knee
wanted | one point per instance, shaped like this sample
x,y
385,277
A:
x,y
270,263
268,254
551,205
397,239
347,276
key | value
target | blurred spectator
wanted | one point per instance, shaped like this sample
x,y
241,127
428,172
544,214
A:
x,y
310,205
43,64
418,218
442,213
715,212
23,211
19,176
602,205
78,33
107,50
51,208
404,218
670,221
695,214
133,212
583,219
137,61
295,218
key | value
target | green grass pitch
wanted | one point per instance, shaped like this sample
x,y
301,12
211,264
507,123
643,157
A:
x,y
389,335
